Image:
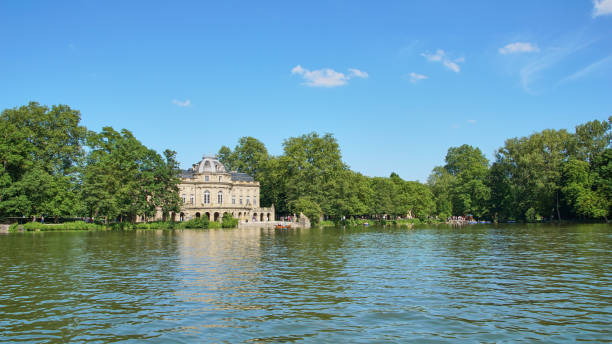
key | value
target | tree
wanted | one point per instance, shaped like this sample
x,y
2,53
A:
x,y
579,190
40,152
460,185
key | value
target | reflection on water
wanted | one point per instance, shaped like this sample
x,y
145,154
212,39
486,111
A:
x,y
482,283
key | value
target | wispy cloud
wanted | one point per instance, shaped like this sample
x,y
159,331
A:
x,y
549,58
181,103
593,67
415,77
519,47
442,57
358,73
471,121
602,7
327,77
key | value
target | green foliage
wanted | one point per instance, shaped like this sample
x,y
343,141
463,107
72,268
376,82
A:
x,y
197,223
40,155
67,226
13,227
308,207
124,179
229,221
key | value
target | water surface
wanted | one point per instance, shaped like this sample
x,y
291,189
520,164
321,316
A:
x,y
481,284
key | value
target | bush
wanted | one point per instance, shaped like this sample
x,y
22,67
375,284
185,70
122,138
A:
x,y
229,221
14,227
67,226
197,223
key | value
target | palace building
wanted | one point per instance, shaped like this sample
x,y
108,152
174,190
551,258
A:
x,y
207,189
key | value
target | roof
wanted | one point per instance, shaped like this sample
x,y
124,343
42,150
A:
x,y
210,164
187,173
243,177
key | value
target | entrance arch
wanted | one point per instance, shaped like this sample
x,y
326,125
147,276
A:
x,y
208,216
261,217
182,217
254,217
216,217
268,217
197,215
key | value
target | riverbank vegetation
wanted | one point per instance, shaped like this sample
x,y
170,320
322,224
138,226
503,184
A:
x,y
52,166
549,175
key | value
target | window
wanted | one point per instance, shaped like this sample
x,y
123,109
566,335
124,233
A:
x,y
183,197
233,199
219,178
254,200
191,199
248,199
240,199
206,197
220,197
205,178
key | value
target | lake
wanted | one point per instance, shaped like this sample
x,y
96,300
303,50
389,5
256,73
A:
x,y
481,283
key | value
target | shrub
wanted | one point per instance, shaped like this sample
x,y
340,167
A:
x,y
197,223
229,221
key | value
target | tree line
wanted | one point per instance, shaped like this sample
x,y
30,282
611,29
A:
x,y
53,166
553,174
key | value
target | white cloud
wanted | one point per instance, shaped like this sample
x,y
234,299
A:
x,y
181,103
519,47
414,77
327,77
358,73
441,56
602,7
472,121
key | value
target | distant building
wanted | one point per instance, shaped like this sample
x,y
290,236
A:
x,y
207,189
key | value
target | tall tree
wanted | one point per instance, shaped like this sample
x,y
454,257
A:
x,y
40,152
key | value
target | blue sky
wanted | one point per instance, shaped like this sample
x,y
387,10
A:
x,y
397,83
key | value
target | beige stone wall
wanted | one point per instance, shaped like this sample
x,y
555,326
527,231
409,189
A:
x,y
239,198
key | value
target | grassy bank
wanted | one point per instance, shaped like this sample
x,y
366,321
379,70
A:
x,y
83,226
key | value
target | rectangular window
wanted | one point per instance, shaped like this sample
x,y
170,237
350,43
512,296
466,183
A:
x,y
219,178
233,200
183,197
248,200
254,200
240,199
205,178
191,199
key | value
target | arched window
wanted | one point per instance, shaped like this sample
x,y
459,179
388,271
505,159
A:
x,y
191,199
220,197
206,197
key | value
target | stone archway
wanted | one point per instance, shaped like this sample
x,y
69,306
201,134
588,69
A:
x,y
240,216
182,217
197,215
216,217
268,217
254,217
261,217
208,216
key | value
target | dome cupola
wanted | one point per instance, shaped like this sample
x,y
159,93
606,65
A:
x,y
210,164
